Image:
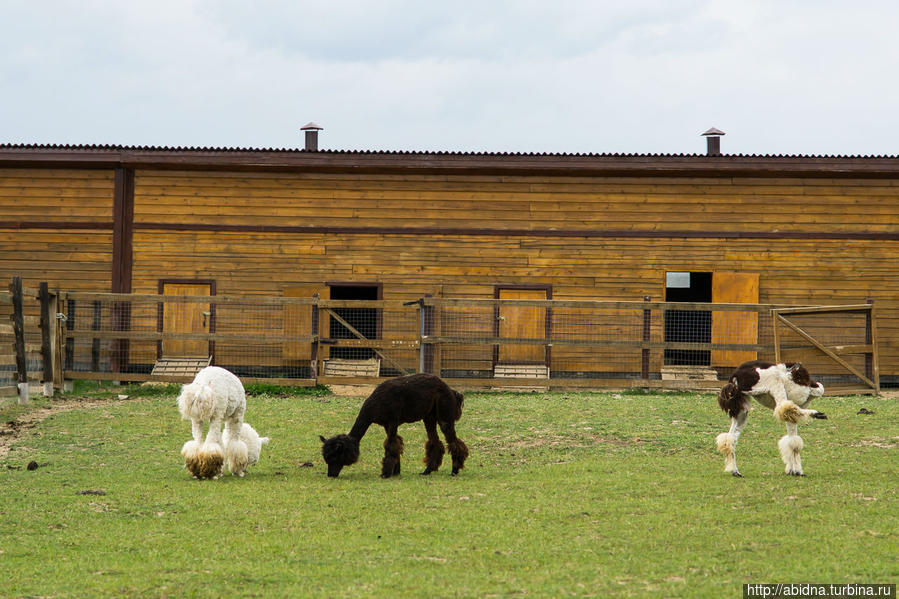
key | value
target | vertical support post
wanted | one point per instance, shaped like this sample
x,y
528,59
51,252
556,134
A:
x,y
315,363
121,321
427,320
48,331
774,323
70,341
58,340
875,355
18,325
95,344
647,329
421,336
869,361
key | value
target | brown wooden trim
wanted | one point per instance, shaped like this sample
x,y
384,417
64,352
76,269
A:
x,y
593,233
689,165
123,230
37,224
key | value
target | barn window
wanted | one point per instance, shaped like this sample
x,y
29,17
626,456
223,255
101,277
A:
x,y
365,321
682,326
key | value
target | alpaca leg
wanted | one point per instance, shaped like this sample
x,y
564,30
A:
x,y
197,430
191,449
434,448
236,450
727,443
393,449
210,457
457,448
790,446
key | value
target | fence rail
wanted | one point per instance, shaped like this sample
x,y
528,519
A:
x,y
470,342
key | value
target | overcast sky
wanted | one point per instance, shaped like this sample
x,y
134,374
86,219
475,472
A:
x,y
779,77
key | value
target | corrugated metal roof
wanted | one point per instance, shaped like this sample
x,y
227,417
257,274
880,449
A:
x,y
232,150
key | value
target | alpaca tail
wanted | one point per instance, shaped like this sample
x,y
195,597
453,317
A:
x,y
196,402
731,399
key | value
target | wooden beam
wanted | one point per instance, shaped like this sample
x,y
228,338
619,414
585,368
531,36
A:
x,y
352,330
827,351
15,289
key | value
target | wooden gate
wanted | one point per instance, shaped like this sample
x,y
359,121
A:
x,y
816,347
517,321
186,318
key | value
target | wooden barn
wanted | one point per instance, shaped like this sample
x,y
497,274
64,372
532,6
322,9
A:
x,y
391,226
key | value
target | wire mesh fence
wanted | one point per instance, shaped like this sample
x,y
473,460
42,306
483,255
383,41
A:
x,y
599,341
489,342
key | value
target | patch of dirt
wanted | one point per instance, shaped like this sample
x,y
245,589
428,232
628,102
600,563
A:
x,y
351,390
11,430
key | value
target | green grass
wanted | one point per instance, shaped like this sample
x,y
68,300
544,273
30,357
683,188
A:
x,y
565,494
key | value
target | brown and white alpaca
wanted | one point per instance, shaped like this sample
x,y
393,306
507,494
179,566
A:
x,y
784,388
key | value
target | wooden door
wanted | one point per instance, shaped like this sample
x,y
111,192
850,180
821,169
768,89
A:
x,y
186,317
522,322
734,327
300,320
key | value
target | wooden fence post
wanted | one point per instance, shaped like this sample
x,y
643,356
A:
x,y
70,341
316,369
428,330
95,344
18,325
59,339
647,326
48,332
869,361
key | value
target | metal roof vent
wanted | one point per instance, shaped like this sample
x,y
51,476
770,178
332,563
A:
x,y
311,130
713,139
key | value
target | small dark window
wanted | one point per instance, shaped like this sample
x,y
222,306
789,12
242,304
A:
x,y
682,326
364,320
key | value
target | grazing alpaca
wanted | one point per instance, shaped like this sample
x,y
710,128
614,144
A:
x,y
394,402
784,388
252,440
216,396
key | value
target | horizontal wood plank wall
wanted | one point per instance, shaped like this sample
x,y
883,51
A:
x,y
56,226
538,203
56,196
175,211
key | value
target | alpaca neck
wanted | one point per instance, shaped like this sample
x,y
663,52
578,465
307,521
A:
x,y
360,427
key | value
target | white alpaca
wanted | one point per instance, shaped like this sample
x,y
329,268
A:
x,y
215,396
784,388
252,440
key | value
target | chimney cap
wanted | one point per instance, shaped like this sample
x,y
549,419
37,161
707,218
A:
x,y
310,126
714,131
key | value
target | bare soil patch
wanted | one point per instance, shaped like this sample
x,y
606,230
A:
x,y
11,430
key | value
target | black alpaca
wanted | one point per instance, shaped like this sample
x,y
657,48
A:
x,y
395,402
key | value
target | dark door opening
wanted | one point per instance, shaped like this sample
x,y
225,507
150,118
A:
x,y
364,320
682,326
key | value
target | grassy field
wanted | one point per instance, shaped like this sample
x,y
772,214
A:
x,y
565,494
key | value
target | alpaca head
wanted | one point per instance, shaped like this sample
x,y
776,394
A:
x,y
339,451
460,399
801,377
